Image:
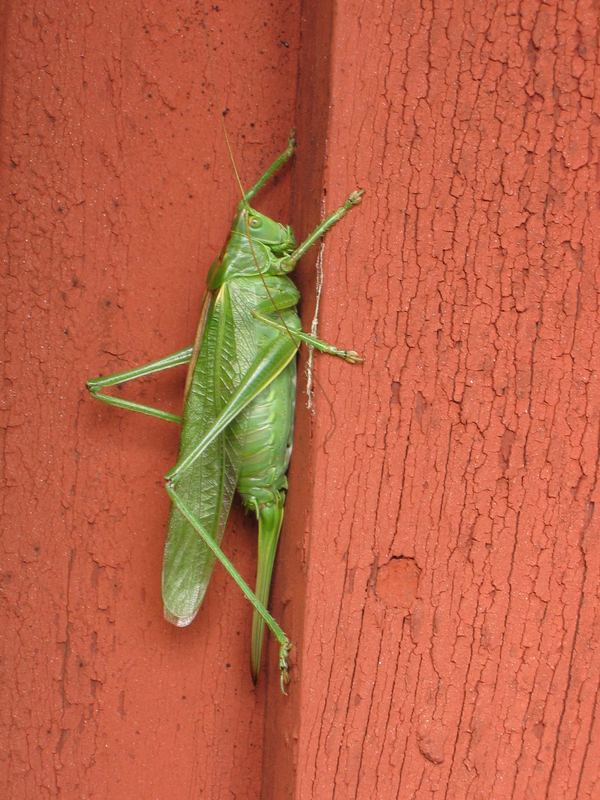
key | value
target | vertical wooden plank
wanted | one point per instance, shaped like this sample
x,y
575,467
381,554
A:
x,y
283,721
450,642
439,568
119,195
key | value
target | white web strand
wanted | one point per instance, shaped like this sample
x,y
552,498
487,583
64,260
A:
x,y
314,328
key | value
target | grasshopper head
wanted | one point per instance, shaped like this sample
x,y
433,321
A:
x,y
236,259
256,226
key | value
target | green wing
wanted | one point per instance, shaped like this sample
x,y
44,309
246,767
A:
x,y
208,486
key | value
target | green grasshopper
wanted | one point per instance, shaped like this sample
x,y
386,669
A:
x,y
238,413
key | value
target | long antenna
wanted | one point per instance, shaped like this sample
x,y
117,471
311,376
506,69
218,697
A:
x,y
232,159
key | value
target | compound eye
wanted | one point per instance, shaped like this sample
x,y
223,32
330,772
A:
x,y
254,222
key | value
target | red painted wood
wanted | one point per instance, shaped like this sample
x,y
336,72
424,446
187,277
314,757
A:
x,y
451,629
121,194
439,566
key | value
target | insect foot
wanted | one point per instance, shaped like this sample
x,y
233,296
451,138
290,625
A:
x,y
352,357
354,198
284,675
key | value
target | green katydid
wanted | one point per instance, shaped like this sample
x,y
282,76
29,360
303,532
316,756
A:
x,y
238,413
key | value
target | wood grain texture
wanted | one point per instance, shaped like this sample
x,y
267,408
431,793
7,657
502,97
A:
x,y
451,618
121,194
439,566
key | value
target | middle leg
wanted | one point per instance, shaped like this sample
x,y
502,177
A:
x,y
348,355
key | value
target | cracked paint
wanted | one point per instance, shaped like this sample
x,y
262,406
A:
x,y
465,450
118,195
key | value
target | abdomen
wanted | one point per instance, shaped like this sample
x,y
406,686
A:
x,y
265,437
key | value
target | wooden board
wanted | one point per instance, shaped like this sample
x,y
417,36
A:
x,y
438,570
